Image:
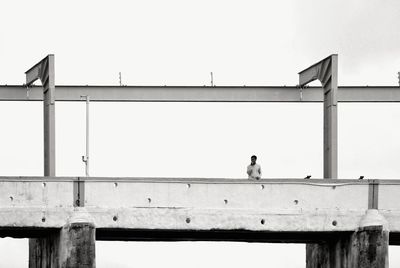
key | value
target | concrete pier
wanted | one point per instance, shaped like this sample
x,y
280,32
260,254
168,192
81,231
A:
x,y
72,246
365,248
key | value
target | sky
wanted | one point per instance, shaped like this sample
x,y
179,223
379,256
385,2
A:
x,y
180,43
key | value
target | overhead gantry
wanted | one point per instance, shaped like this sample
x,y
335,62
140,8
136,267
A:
x,y
347,221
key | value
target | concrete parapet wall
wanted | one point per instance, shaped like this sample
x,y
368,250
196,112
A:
x,y
268,205
282,195
35,192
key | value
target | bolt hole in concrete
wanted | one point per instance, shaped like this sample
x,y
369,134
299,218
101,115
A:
x,y
115,218
44,184
296,202
333,187
225,201
115,184
11,198
262,221
43,219
187,220
149,200
262,186
334,223
188,185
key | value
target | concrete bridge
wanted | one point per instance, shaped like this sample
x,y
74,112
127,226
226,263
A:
x,y
65,216
346,223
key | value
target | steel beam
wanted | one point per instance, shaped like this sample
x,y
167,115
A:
x,y
44,70
201,94
326,71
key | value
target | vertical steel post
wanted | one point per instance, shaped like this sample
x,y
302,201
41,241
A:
x,y
49,121
85,158
87,135
44,70
326,71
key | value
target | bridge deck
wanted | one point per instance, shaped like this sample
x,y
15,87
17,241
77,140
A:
x,y
274,210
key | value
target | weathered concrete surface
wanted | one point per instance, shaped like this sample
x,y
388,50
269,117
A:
x,y
43,252
36,217
77,245
274,195
280,210
72,246
220,219
270,205
42,192
366,248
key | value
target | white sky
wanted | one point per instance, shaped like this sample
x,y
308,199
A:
x,y
180,43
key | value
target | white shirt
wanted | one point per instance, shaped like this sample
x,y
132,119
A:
x,y
255,171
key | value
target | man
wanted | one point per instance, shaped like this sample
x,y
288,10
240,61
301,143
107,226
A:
x,y
254,170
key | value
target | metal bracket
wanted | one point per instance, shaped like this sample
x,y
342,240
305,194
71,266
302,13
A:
x,y
79,193
373,191
28,90
43,70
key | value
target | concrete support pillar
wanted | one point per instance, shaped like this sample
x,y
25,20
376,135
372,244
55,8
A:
x,y
365,248
72,246
43,252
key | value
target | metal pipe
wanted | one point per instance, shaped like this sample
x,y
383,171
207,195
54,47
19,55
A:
x,y
85,158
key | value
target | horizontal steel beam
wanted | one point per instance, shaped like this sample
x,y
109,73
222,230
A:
x,y
201,94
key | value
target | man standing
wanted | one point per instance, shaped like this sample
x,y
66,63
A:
x,y
254,170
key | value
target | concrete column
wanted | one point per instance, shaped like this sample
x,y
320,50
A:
x,y
43,252
72,246
365,248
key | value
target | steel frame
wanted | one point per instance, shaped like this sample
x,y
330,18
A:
x,y
326,71
44,70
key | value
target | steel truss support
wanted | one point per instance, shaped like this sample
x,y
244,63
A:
x,y
326,71
44,70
